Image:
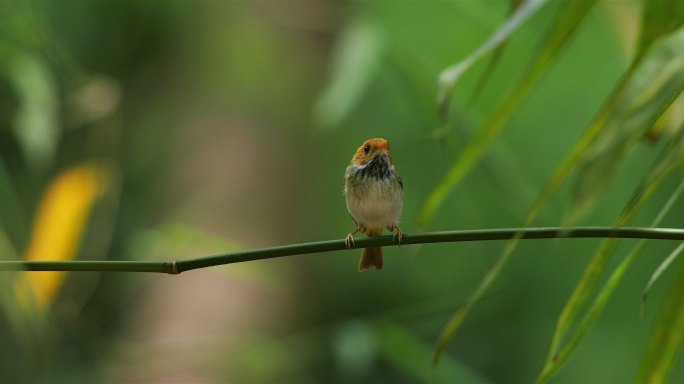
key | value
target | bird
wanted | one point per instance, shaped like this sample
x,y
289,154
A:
x,y
374,194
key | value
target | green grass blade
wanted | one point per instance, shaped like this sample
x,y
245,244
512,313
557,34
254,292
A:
x,y
457,319
356,63
639,94
555,360
493,61
449,76
559,359
666,336
569,16
404,351
650,88
660,17
659,271
602,255
36,121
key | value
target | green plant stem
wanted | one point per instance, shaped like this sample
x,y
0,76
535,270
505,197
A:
x,y
176,267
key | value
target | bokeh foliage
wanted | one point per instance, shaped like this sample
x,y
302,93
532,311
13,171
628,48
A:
x,y
164,130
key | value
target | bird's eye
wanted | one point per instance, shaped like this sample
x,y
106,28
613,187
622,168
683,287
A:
x,y
366,149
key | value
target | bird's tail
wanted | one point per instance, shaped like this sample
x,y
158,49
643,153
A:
x,y
370,258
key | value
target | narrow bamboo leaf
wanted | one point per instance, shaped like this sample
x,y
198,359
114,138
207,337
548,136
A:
x,y
671,157
356,62
407,353
650,88
494,60
449,76
570,14
607,247
444,127
568,17
35,124
580,150
520,12
457,319
662,125
666,336
660,17
659,271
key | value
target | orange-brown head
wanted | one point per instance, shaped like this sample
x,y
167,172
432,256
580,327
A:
x,y
369,149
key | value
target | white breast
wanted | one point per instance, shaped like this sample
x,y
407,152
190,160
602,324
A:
x,y
377,205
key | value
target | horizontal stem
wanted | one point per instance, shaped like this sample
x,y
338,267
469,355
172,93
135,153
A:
x,y
175,267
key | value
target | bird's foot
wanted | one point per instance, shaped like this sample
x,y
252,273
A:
x,y
349,241
399,236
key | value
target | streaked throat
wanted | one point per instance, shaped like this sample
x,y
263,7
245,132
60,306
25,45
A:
x,y
378,168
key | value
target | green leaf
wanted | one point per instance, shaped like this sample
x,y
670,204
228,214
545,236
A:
x,y
660,17
494,60
356,61
666,336
671,157
642,102
457,319
520,13
659,271
568,17
407,353
647,91
36,122
449,76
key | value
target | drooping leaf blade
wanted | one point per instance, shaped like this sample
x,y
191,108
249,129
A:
x,y
667,335
356,62
648,111
660,17
456,320
671,158
659,272
494,60
593,139
406,352
449,76
650,88
587,141
36,121
568,17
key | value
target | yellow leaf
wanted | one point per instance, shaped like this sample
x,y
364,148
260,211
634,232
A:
x,y
58,226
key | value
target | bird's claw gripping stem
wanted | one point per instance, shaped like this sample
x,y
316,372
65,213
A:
x,y
349,240
399,236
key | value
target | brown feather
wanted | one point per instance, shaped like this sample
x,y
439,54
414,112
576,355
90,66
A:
x,y
370,258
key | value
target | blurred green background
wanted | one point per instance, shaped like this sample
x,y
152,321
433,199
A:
x,y
212,126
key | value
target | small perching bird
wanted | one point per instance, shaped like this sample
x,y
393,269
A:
x,y
375,197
